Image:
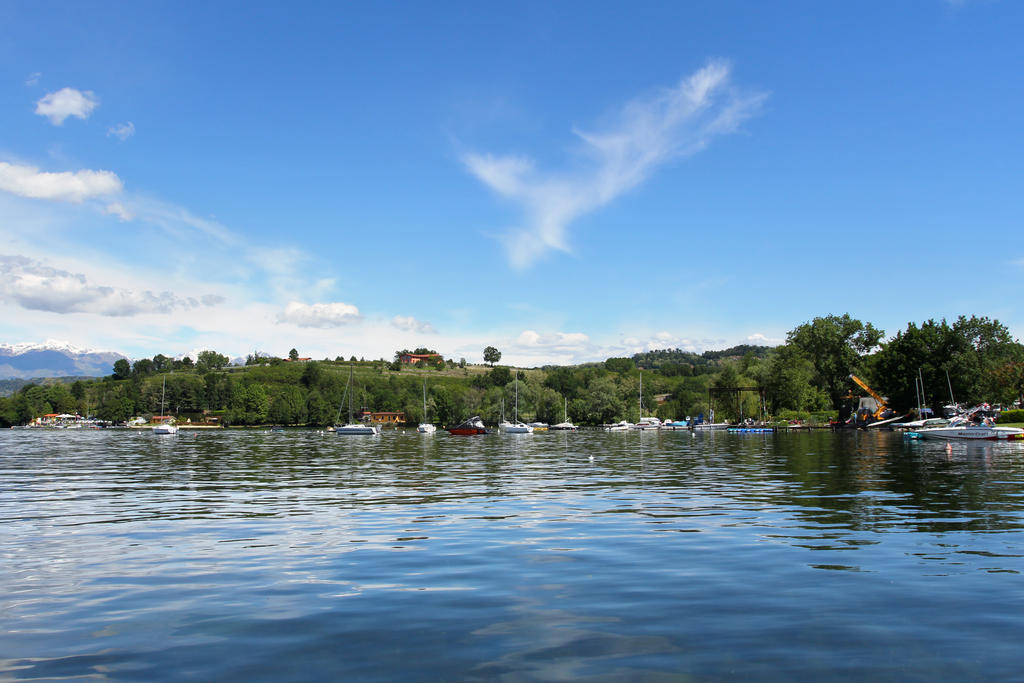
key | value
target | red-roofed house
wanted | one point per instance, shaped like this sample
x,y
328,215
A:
x,y
413,358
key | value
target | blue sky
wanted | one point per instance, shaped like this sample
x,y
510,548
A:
x,y
565,181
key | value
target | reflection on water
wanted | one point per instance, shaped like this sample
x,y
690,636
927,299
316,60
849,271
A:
x,y
636,555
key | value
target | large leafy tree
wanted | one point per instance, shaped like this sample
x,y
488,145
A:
x,y
967,358
491,355
835,346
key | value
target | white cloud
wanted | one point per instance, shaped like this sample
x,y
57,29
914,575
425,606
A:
x,y
533,348
411,324
117,209
35,286
319,315
649,132
69,186
763,340
33,78
122,130
66,102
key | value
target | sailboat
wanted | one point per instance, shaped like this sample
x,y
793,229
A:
x,y
167,427
565,426
516,427
645,422
353,427
425,427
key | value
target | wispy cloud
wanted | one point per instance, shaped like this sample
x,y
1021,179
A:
x,y
647,133
118,209
33,285
58,106
122,131
33,78
411,324
319,315
69,186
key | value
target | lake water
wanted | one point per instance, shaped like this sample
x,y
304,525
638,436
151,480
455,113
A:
x,y
669,555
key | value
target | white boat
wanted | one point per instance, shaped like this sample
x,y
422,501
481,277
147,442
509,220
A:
x,y
973,425
565,426
621,426
972,432
645,422
167,427
425,427
353,427
540,426
516,427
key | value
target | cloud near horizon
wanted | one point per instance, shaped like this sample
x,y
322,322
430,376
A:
x,y
335,314
649,132
58,106
35,286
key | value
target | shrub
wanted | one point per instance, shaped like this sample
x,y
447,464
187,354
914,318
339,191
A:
x,y
1011,416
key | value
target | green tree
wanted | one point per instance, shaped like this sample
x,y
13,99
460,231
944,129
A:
x,y
619,365
293,355
142,367
499,377
491,355
210,360
312,374
122,369
835,345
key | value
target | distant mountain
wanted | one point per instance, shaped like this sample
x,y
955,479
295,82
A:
x,y
54,359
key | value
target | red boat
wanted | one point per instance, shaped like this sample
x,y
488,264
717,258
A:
x,y
473,425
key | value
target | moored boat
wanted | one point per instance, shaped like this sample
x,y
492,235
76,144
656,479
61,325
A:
x,y
975,425
425,427
564,426
353,427
972,432
167,425
470,427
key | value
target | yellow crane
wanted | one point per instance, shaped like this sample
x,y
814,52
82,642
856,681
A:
x,y
880,408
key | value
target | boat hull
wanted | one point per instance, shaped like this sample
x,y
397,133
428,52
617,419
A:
x,y
973,433
466,431
357,430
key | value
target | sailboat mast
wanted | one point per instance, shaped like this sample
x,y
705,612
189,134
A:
x,y
517,397
350,394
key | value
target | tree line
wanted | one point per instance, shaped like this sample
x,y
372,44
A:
x,y
970,360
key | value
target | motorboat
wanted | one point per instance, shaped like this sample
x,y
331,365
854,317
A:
x,y
648,423
473,425
540,426
621,426
972,432
977,424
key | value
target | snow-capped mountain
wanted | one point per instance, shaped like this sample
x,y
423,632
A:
x,y
54,359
